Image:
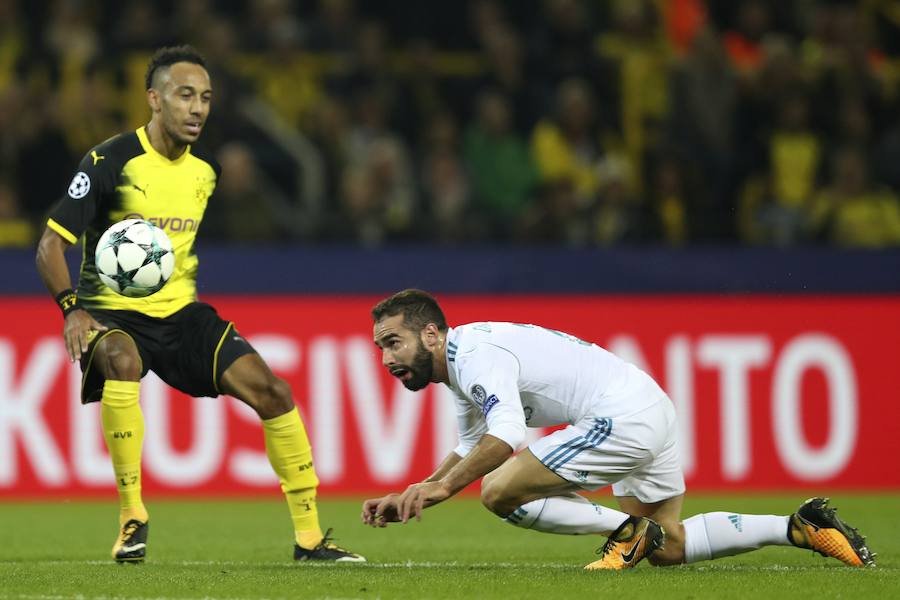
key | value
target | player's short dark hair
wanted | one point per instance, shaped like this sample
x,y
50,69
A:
x,y
168,56
417,307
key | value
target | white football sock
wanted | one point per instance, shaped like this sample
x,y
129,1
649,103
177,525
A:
x,y
717,534
570,514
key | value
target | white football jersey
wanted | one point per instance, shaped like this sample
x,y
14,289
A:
x,y
509,376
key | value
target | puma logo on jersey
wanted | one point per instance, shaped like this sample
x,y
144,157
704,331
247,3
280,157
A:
x,y
97,157
141,190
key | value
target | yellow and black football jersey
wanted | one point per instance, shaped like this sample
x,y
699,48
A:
x,y
126,178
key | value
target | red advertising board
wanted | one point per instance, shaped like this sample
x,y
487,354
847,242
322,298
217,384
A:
x,y
772,393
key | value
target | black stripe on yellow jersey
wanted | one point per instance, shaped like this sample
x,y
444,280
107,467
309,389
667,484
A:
x,y
126,178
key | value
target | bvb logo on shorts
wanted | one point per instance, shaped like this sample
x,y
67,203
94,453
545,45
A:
x,y
80,186
478,395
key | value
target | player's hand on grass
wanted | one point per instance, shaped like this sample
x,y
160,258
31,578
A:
x,y
378,512
78,331
420,496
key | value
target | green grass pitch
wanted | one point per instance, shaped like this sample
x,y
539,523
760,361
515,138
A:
x,y
242,549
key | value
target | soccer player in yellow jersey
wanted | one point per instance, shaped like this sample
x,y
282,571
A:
x,y
155,173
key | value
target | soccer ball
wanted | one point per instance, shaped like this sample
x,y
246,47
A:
x,y
134,258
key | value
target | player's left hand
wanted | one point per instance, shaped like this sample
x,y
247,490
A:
x,y
420,496
79,329
378,512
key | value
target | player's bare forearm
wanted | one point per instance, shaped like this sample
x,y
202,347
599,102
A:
x,y
488,454
51,262
448,463
52,267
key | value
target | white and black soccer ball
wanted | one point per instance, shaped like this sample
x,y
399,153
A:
x,y
134,258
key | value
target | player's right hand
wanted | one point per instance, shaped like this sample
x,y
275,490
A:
x,y
78,331
378,512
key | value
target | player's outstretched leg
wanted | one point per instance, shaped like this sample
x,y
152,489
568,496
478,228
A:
x,y
634,540
291,457
816,526
131,545
250,380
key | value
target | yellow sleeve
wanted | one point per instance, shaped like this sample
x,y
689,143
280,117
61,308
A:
x,y
65,233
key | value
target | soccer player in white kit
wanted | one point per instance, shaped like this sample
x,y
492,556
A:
x,y
621,431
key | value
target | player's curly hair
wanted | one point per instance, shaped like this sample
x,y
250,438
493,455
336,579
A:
x,y
417,307
168,56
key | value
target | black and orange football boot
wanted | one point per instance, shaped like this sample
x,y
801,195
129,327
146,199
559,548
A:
x,y
816,526
634,540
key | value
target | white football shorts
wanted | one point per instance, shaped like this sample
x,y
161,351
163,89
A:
x,y
637,454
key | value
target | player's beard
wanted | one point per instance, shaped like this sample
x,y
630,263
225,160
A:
x,y
420,370
172,127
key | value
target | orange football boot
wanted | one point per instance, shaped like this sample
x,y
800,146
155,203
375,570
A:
x,y
816,526
634,540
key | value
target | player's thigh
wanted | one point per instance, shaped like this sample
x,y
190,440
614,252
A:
x,y
199,346
123,352
113,355
520,480
668,514
250,380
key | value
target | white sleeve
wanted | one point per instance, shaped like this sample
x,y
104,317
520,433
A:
x,y
471,425
489,377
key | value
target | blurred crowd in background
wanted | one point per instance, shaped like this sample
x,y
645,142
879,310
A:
x,y
572,122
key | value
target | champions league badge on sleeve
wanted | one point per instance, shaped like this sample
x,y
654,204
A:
x,y
482,400
80,186
478,395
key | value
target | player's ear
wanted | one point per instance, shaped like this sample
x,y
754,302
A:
x,y
154,100
430,336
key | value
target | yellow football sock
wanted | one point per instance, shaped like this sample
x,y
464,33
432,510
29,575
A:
x,y
290,454
123,430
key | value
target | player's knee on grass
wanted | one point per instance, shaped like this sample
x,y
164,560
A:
x,y
118,358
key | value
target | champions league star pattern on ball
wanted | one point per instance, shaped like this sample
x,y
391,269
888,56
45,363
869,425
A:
x,y
134,258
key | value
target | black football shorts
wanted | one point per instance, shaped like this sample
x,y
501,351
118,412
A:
x,y
189,349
